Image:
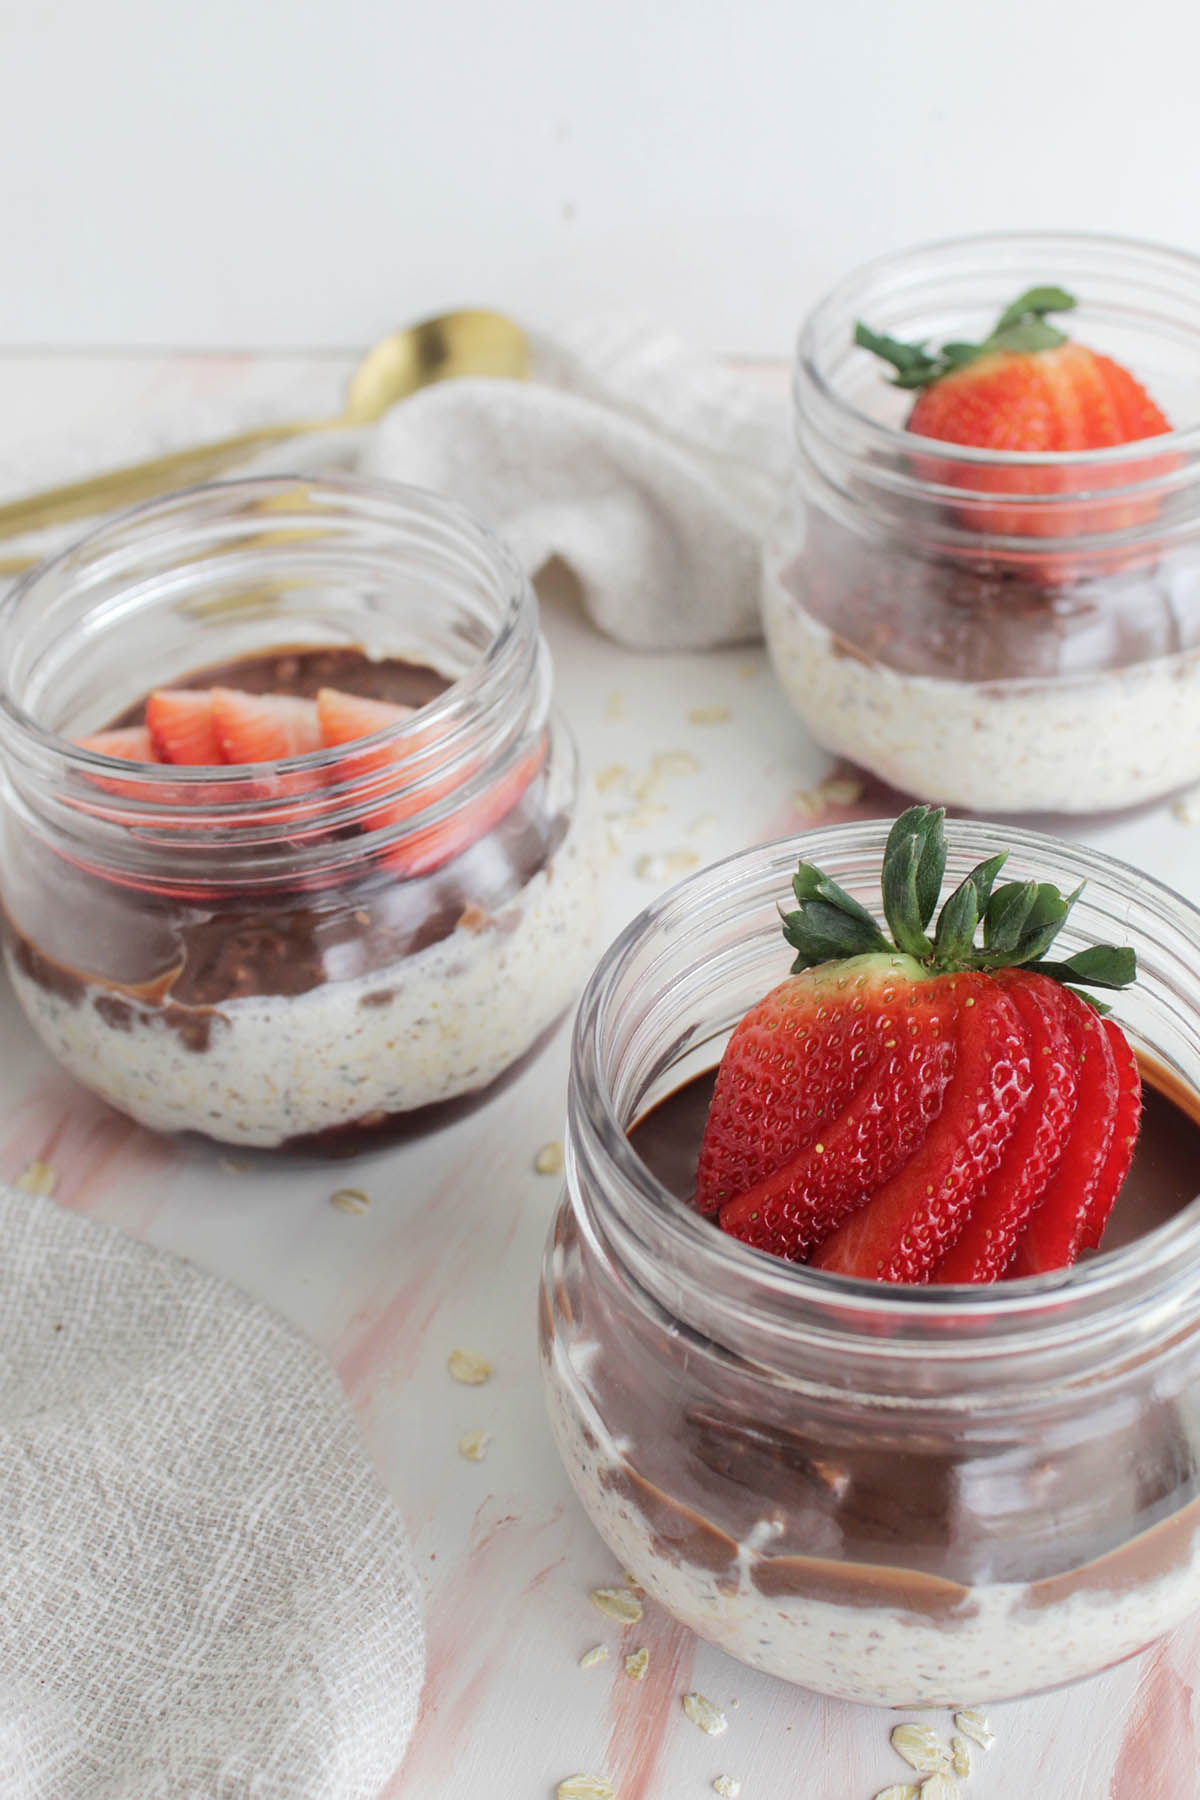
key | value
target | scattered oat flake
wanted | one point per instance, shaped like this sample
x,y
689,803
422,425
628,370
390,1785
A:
x,y
630,1580
611,777
350,1200
474,919
619,1604
921,1748
469,1367
474,1445
900,1790
727,1786
939,1786
38,1178
1187,808
586,1787
362,916
703,1713
636,1664
549,1159
835,790
974,1725
960,1757
661,866
597,1654
709,715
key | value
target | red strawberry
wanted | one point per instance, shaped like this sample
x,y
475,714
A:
x,y
344,718
896,1100
904,1228
128,743
1124,1138
180,722
832,1132
1075,1206
1027,387
984,1247
262,728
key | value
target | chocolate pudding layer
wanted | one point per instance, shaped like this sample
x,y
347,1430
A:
x,y
993,684
311,1012
910,1554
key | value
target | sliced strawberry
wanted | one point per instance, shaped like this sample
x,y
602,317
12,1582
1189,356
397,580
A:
x,y
345,718
862,1145
180,722
1124,1138
1055,1232
985,1245
128,743
262,728
906,1225
429,848
1027,387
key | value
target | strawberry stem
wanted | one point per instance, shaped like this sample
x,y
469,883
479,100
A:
x,y
1020,919
1020,327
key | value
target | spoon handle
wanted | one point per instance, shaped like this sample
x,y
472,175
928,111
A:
x,y
138,481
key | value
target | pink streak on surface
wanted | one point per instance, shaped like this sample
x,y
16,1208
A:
x,y
644,1712
460,1228
474,1620
1159,1754
105,1165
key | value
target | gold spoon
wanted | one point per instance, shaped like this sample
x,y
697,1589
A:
x,y
453,344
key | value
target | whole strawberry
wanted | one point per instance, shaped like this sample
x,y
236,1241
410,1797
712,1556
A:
x,y
1028,387
925,1108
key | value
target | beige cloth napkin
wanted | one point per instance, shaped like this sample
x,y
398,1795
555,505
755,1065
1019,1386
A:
x,y
205,1592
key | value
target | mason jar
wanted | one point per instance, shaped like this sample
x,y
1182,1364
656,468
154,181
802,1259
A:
x,y
301,951
898,1495
1002,632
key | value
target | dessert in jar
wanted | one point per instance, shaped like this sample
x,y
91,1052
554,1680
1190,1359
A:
x,y
290,836
1036,653
929,1488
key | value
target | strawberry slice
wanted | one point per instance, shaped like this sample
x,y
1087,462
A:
x,y
180,722
128,743
906,1225
1124,1139
261,728
781,1075
864,1137
345,718
986,1242
1054,1235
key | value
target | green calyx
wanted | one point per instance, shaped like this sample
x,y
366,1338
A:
x,y
1019,919
1021,326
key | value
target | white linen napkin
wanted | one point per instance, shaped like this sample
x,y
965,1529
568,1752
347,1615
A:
x,y
205,1592
650,470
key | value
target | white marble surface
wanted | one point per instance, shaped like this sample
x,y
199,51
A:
x,y
448,1252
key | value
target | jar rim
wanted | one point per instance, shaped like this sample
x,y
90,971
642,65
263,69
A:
x,y
888,440
441,754
769,1286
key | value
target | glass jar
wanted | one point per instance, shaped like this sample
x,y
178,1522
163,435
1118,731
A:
x,y
1039,654
895,1495
279,953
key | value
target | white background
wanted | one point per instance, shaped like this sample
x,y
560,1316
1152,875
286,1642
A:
x,y
304,173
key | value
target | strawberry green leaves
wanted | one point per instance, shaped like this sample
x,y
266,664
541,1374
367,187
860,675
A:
x,y
1020,919
1020,327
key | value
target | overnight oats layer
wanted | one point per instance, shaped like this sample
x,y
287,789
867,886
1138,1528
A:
x,y
319,948
1034,652
895,1496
